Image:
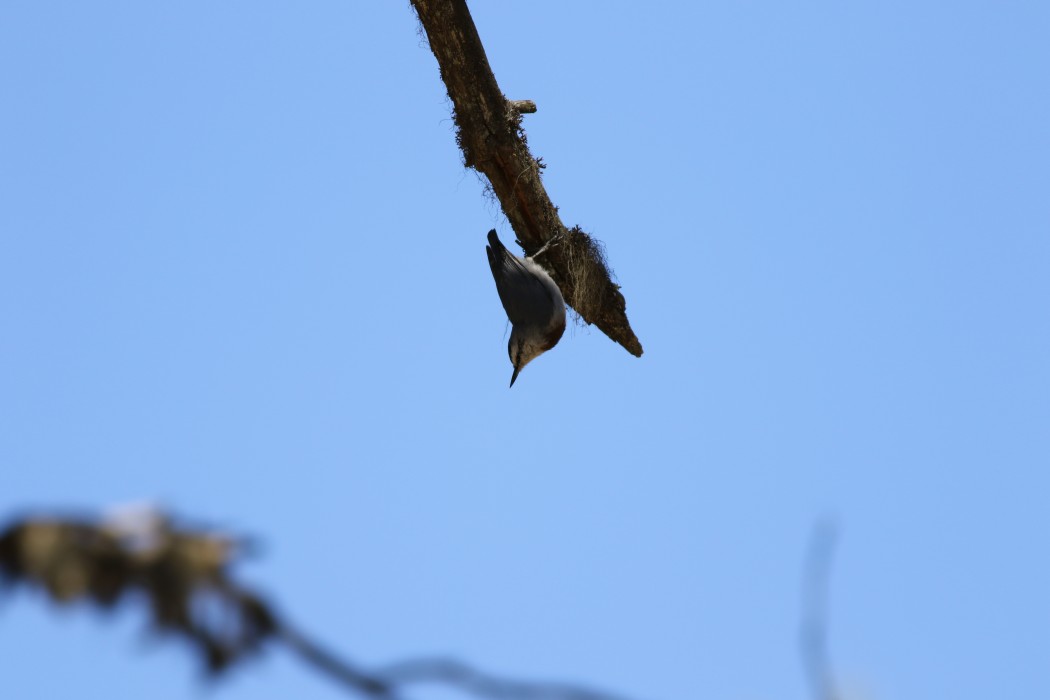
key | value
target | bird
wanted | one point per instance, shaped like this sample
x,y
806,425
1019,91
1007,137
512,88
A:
x,y
532,300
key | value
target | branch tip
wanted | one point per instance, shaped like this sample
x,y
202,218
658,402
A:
x,y
522,106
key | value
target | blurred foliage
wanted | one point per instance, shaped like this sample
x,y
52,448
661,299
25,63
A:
x,y
182,574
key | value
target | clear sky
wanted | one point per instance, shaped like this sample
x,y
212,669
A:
x,y
242,272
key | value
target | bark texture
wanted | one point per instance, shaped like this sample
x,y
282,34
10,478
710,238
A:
x,y
489,133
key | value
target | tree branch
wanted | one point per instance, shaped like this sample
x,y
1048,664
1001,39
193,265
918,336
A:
x,y
183,576
494,143
475,682
814,634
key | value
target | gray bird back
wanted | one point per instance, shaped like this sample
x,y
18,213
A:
x,y
529,299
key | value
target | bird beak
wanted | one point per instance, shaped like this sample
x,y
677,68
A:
x,y
515,375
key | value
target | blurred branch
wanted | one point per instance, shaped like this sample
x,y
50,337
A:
x,y
493,143
476,682
814,636
184,576
334,667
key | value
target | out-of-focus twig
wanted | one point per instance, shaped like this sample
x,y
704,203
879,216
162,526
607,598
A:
x,y
482,684
331,665
814,629
184,575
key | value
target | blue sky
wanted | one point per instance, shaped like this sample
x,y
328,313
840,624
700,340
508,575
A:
x,y
242,273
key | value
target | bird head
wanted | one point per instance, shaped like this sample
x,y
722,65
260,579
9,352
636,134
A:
x,y
525,346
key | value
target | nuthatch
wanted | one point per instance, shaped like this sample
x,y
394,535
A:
x,y
533,303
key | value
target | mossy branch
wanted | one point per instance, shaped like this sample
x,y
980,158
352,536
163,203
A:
x,y
494,144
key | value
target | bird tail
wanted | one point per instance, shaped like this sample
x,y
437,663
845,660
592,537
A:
x,y
497,253
495,242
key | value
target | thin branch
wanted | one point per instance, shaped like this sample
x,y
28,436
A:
x,y
814,635
494,143
331,665
471,680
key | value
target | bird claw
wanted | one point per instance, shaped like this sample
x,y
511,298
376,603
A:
x,y
551,241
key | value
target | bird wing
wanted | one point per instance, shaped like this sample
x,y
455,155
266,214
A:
x,y
525,297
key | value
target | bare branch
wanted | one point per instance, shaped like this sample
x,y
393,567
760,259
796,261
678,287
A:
x,y
814,637
476,682
334,667
493,142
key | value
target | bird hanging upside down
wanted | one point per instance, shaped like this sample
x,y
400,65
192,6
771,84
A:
x,y
533,303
